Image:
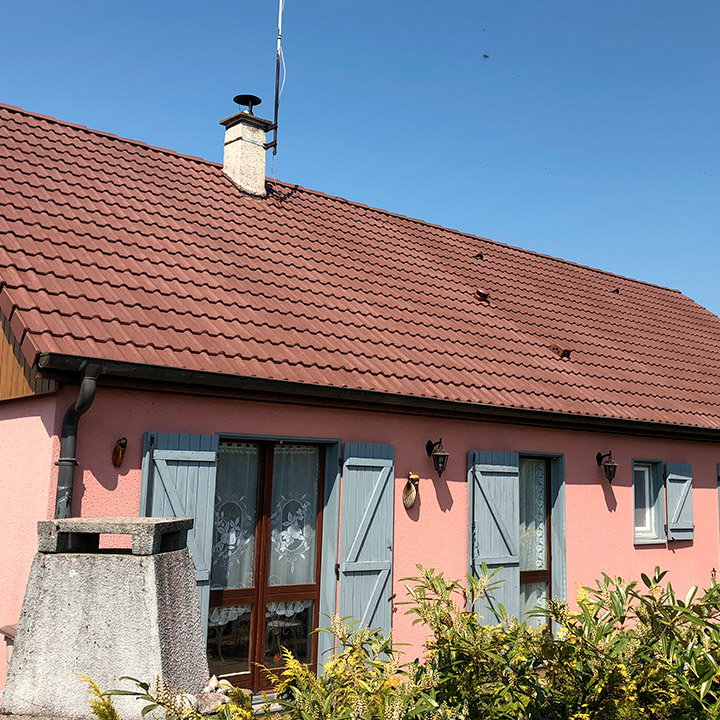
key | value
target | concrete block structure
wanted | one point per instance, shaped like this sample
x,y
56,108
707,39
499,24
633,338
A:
x,y
105,613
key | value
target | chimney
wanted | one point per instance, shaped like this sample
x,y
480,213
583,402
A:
x,y
245,147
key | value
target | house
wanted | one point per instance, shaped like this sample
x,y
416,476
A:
x,y
187,338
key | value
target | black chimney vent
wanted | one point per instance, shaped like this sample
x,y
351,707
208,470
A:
x,y
249,101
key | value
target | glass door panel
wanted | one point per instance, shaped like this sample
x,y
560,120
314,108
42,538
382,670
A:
x,y
229,640
235,516
532,595
293,515
534,536
288,625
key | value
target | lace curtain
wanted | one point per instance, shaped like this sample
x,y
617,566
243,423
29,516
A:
x,y
533,515
292,520
294,513
224,615
235,516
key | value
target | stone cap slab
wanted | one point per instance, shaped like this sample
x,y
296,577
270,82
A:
x,y
149,535
9,631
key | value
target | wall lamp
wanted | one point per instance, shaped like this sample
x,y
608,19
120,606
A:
x,y
608,465
438,454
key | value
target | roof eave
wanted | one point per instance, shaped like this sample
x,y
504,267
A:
x,y
69,368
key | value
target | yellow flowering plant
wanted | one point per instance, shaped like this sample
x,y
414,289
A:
x,y
162,698
363,680
634,650
481,670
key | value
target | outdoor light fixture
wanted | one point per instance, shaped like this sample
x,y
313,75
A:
x,y
608,465
438,454
118,453
410,491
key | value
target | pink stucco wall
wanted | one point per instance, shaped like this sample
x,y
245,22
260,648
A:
x,y
599,516
27,447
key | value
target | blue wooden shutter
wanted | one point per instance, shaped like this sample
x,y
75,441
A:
x,y
366,541
179,481
678,488
494,501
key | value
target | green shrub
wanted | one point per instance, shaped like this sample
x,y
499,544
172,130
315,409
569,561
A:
x,y
481,671
632,651
635,651
625,654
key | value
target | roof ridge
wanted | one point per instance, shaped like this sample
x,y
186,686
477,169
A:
x,y
470,235
338,198
102,133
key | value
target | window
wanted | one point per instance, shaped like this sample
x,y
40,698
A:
x,y
649,503
517,529
265,574
535,571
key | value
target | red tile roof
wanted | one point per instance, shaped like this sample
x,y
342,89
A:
x,y
115,250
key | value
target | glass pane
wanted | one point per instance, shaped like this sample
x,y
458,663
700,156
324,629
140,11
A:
x,y
293,515
532,595
228,642
533,514
288,625
235,516
644,518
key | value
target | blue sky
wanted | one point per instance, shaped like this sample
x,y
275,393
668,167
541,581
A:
x,y
591,132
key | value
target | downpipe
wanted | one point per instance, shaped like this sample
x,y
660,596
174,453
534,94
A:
x,y
68,440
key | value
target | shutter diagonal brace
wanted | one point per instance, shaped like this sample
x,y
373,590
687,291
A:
x,y
372,504
375,597
175,502
178,508
496,513
683,496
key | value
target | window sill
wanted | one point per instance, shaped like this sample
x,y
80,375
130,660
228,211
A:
x,y
649,541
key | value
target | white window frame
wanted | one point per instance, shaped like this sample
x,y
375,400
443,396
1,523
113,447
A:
x,y
652,531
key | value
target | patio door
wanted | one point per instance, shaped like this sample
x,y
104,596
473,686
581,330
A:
x,y
265,574
265,511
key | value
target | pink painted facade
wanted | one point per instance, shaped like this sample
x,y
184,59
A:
x,y
28,449
599,516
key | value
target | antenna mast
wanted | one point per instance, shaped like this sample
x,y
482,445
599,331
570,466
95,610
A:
x,y
278,61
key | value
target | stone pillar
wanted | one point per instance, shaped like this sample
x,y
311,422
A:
x,y
106,613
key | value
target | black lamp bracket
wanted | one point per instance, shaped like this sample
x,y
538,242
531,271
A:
x,y
430,446
600,457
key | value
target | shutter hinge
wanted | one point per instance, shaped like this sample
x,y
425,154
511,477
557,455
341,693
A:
x,y
337,571
341,460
